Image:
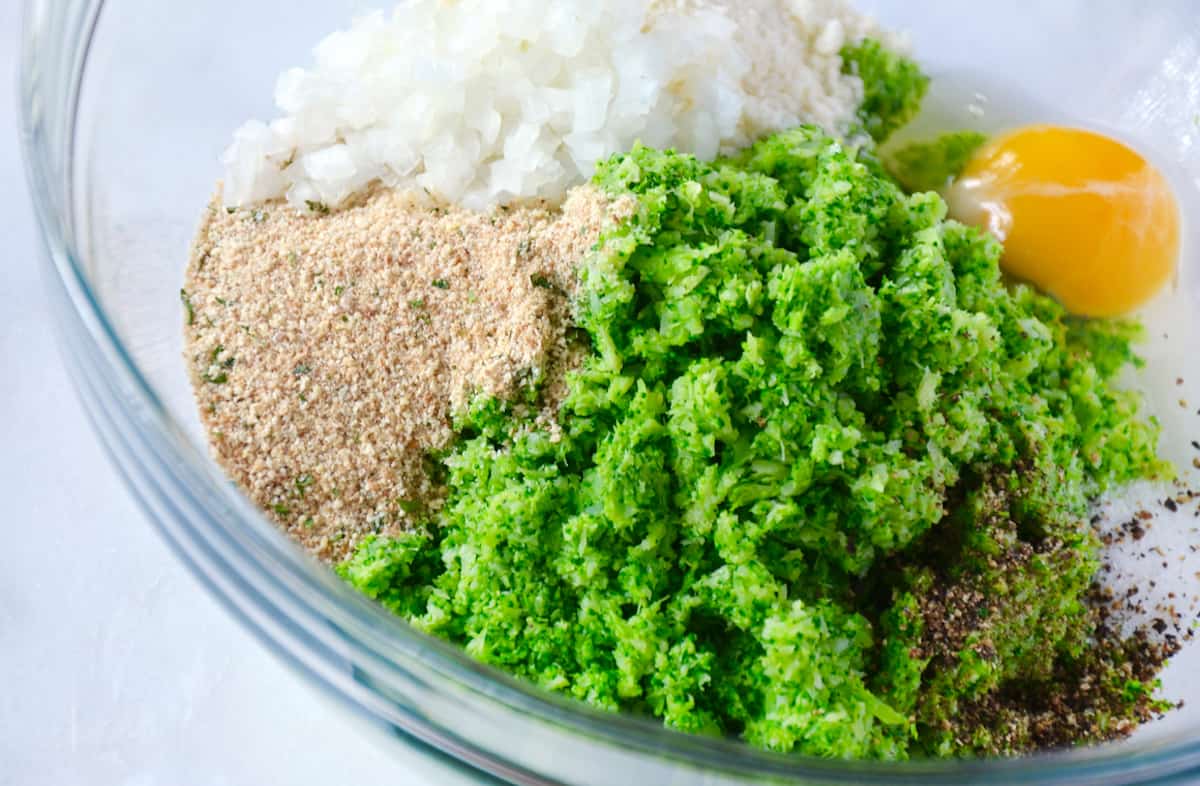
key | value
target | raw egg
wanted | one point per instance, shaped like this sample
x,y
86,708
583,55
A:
x,y
1082,216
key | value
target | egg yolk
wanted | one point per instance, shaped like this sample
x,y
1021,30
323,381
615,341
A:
x,y
1081,216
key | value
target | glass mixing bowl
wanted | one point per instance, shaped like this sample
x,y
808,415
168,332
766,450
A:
x,y
126,106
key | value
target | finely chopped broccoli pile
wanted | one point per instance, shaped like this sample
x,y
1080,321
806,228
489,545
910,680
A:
x,y
822,483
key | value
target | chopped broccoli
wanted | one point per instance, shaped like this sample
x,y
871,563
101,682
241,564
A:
x,y
929,166
814,417
893,86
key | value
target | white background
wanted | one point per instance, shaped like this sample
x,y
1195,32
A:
x,y
116,667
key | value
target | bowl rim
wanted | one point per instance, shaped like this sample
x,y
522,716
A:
x,y
338,639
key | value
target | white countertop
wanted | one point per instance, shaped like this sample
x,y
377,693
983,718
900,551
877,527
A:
x,y
118,667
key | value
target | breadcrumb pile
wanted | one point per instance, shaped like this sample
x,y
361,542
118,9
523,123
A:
x,y
329,352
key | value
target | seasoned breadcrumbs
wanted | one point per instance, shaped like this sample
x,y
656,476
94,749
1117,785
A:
x,y
329,351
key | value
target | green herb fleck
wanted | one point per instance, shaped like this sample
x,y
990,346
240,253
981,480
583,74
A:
x,y
410,506
302,484
223,366
189,312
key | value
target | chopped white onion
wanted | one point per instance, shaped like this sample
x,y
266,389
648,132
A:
x,y
485,103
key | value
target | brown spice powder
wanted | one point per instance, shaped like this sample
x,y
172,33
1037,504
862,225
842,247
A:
x,y
328,352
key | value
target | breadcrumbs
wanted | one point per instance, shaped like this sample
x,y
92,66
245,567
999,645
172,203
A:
x,y
329,351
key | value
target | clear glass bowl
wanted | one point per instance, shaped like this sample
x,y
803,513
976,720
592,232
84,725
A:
x,y
126,105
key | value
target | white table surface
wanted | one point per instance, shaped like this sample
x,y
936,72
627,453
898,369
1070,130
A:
x,y
117,666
